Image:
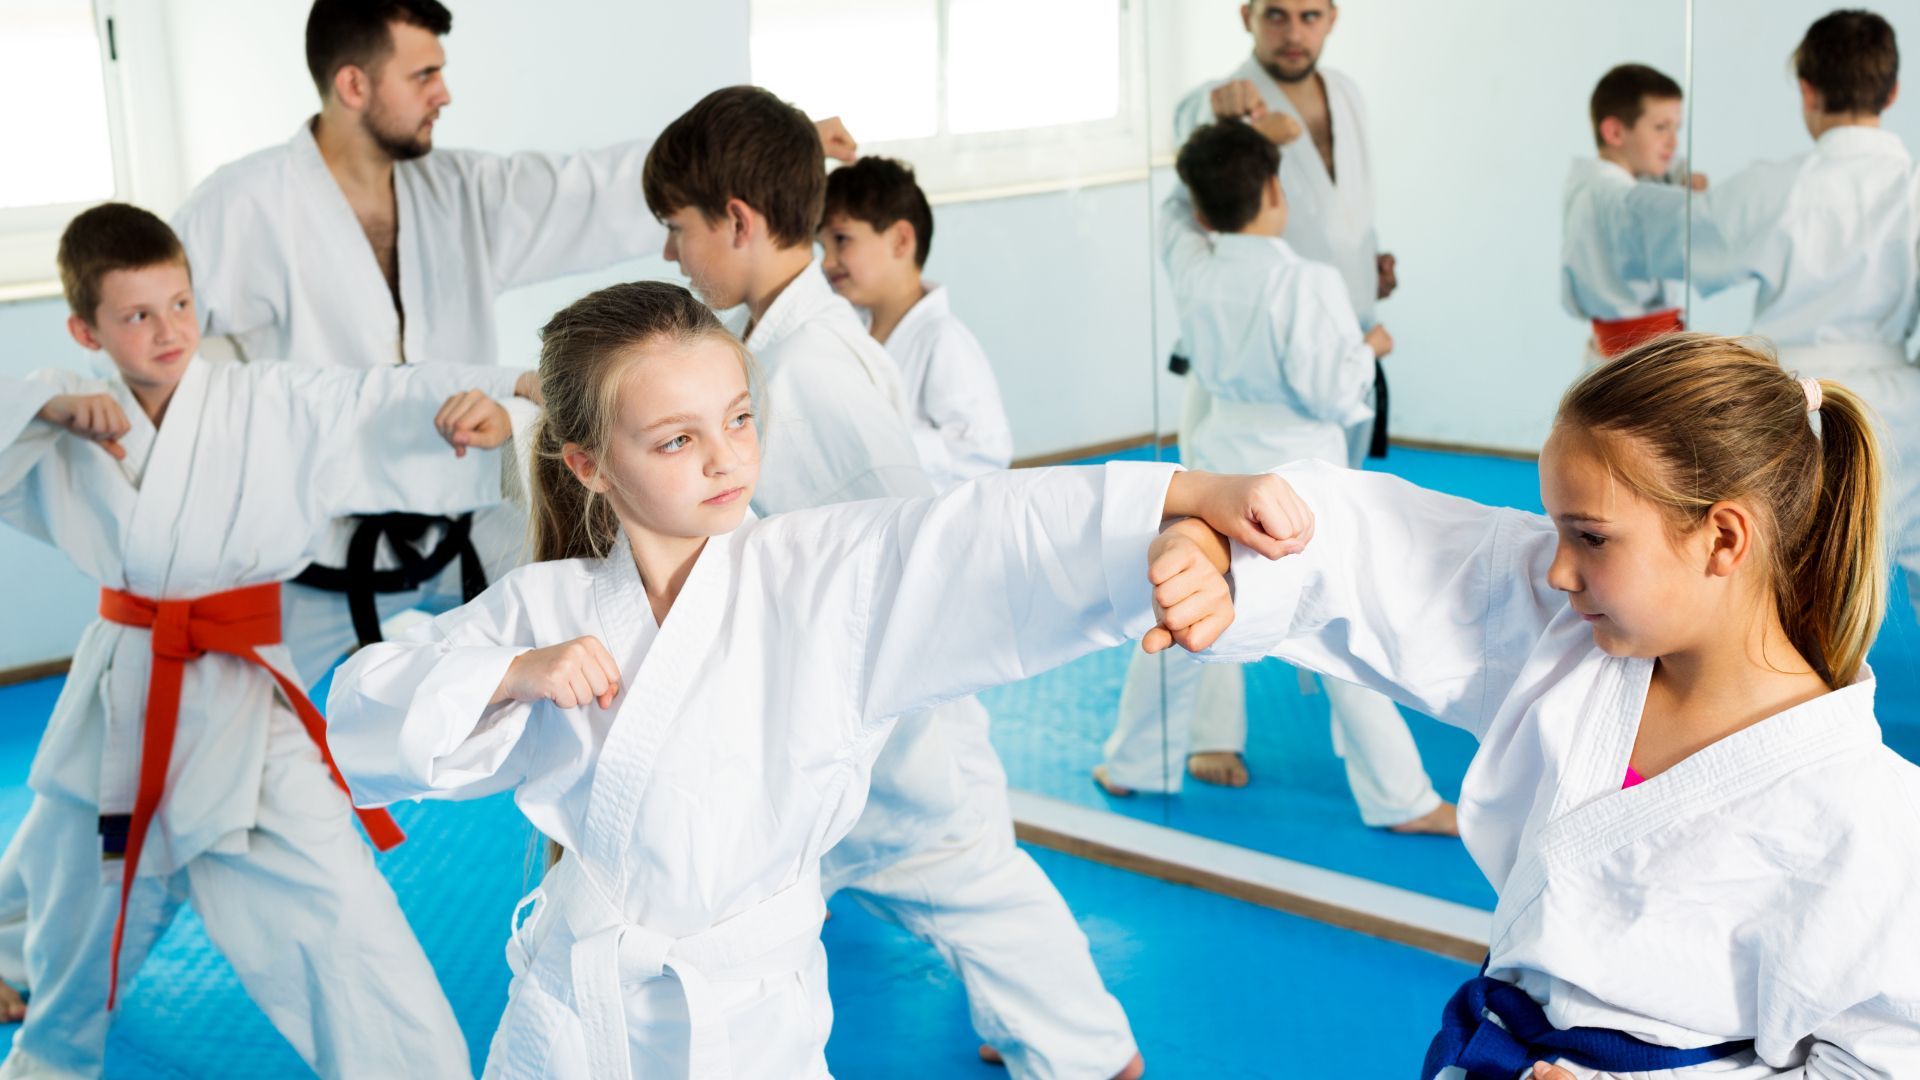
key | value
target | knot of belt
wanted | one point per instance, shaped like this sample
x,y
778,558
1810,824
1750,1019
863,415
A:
x,y
360,582
772,937
234,623
1494,1031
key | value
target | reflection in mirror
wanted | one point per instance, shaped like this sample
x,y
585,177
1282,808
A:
x,y
1806,235
1421,269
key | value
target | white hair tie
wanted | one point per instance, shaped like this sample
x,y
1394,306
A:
x,y
1812,387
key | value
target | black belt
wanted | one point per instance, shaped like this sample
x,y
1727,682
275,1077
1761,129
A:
x,y
361,582
1378,448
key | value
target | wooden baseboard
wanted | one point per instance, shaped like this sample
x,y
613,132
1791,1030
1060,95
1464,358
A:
x,y
46,669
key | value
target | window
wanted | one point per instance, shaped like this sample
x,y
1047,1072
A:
x,y
976,93
69,149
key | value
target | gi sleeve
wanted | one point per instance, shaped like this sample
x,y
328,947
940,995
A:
x,y
1433,600
547,215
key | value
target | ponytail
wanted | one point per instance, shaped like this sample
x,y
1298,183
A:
x,y
1838,585
1715,419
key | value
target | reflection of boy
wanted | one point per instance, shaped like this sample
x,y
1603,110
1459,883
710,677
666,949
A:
x,y
740,181
170,775
1830,237
1623,237
1277,347
877,233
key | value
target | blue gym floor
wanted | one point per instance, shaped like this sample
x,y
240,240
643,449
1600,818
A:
x,y
1280,986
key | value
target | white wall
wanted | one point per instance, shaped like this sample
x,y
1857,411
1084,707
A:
x,y
1476,111
1746,102
557,75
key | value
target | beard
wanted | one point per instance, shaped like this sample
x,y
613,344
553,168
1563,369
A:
x,y
1284,74
398,145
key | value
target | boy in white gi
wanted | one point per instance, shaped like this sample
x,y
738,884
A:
x,y
875,237
739,180
1705,855
689,699
1623,229
1832,237
183,763
1287,370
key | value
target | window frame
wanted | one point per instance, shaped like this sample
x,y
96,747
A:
x,y
140,133
956,167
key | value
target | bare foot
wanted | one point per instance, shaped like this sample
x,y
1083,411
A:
x,y
13,1008
1222,767
1134,1069
1442,820
1107,784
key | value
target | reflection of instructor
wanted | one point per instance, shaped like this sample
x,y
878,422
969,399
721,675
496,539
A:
x,y
1330,192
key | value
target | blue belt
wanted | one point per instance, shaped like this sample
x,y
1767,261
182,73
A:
x,y
1503,1051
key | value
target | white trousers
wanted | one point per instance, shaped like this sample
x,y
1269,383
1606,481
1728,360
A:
x,y
969,891
1205,710
311,928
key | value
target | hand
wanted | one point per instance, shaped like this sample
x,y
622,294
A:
x,y
471,418
1379,341
1697,180
569,674
528,386
1263,512
836,140
90,416
1191,601
1544,1071
1388,281
1279,128
1236,99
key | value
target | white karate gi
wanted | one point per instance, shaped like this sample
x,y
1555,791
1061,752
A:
x,y
935,850
281,264
1329,215
1278,353
1762,888
958,423
230,491
1621,241
1833,239
696,810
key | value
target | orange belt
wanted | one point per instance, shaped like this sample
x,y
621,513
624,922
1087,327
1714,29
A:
x,y
234,623
1615,336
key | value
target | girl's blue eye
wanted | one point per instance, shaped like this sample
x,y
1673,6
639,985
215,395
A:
x,y
675,443
742,420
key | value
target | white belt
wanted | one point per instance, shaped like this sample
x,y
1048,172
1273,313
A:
x,y
775,936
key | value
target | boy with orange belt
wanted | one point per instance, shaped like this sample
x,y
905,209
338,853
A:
x,y
182,762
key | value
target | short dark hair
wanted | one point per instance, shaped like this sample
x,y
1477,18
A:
x,y
1621,94
881,191
1226,166
359,32
1851,58
741,142
111,236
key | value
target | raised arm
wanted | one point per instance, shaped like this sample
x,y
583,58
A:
x,y
546,215
367,437
1432,600
414,717
1184,245
1008,576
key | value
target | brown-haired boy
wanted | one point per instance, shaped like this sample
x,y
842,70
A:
x,y
182,761
1623,227
875,239
1830,237
740,180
